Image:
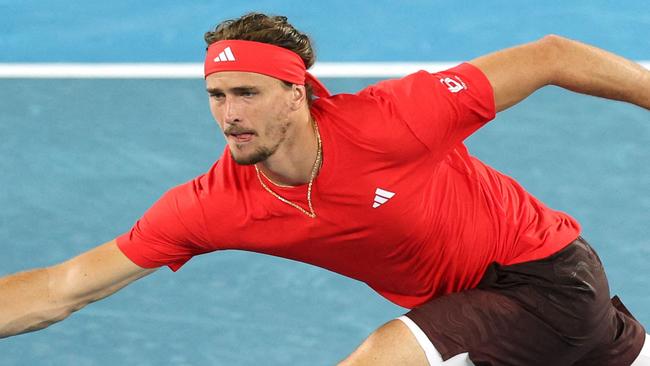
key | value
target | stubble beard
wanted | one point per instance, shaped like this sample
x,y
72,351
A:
x,y
260,154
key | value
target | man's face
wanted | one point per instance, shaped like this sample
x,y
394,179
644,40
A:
x,y
252,111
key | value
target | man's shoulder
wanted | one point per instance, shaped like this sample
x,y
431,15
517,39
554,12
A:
x,y
380,89
362,122
386,97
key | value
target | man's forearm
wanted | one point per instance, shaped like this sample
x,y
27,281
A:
x,y
35,299
517,72
26,304
590,70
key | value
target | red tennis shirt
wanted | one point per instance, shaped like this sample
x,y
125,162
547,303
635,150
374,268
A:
x,y
400,203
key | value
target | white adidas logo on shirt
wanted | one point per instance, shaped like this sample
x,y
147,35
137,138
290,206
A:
x,y
225,55
381,197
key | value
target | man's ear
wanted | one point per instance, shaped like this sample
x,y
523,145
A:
x,y
298,96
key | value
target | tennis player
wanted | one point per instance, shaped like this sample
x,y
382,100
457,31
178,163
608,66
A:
x,y
378,186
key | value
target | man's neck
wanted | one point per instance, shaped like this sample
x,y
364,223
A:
x,y
292,164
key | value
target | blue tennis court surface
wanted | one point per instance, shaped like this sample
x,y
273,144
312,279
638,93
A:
x,y
80,160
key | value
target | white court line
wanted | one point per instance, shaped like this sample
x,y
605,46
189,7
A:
x,y
195,70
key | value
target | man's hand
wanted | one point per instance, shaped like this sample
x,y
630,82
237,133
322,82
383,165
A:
x,y
517,72
36,299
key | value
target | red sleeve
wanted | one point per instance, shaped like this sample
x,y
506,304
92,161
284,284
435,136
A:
x,y
441,109
170,233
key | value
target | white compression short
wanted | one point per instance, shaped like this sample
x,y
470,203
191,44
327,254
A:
x,y
433,356
644,356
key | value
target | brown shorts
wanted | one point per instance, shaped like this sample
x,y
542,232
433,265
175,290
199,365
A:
x,y
554,311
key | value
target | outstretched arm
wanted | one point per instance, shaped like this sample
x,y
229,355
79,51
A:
x,y
517,72
35,299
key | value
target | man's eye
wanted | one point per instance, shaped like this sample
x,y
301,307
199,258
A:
x,y
217,95
247,94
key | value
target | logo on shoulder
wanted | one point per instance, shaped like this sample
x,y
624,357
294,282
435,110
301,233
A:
x,y
454,84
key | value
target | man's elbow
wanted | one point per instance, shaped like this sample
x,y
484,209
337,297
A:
x,y
556,46
553,40
551,51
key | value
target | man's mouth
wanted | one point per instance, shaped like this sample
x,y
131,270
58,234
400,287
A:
x,y
241,137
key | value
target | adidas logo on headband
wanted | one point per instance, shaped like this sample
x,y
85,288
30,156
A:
x,y
225,55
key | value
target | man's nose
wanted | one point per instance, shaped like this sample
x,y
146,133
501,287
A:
x,y
231,112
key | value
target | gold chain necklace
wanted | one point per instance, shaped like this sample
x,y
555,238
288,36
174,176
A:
x,y
314,169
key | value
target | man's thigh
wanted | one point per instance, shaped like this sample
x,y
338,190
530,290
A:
x,y
398,343
391,344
